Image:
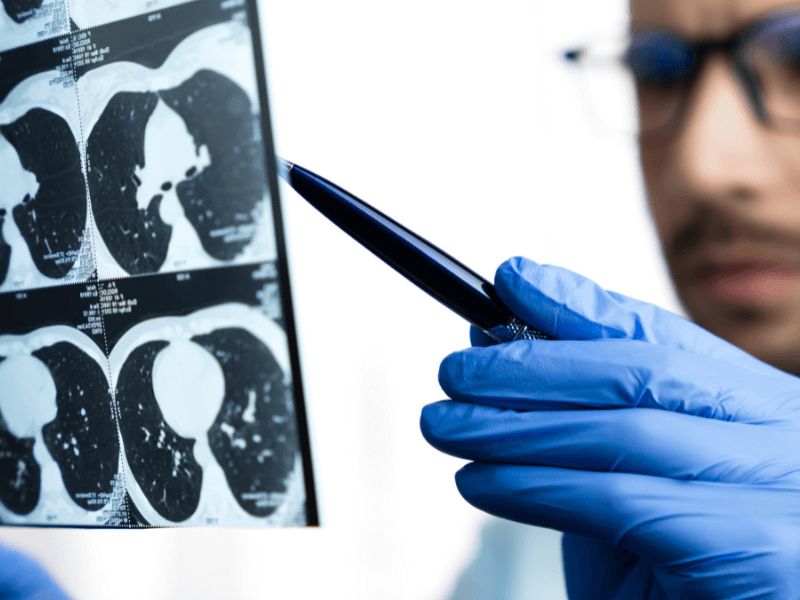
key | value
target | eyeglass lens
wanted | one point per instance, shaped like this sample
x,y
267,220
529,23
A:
x,y
662,65
772,55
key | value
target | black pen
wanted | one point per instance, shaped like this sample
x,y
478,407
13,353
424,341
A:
x,y
439,274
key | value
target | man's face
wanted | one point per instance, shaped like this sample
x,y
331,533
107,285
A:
x,y
725,194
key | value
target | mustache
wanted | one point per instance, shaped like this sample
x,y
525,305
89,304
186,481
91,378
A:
x,y
709,225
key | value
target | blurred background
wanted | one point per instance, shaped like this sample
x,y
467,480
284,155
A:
x,y
459,119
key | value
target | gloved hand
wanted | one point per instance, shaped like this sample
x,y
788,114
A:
x,y
23,579
670,457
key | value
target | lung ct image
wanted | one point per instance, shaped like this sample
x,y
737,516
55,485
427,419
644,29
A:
x,y
82,439
161,461
137,237
21,10
254,437
20,474
221,201
52,223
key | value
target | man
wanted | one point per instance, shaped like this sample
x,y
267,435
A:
x,y
670,458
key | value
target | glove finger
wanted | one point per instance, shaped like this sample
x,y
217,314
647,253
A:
x,y
664,520
569,306
644,442
598,505
21,577
601,374
705,540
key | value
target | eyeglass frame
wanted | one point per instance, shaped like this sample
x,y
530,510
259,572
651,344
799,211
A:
x,y
733,46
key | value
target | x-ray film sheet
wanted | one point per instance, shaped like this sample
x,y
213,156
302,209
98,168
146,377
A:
x,y
148,366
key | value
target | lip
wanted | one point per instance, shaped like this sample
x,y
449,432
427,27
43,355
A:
x,y
746,281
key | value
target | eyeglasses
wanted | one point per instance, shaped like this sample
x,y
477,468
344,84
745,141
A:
x,y
640,82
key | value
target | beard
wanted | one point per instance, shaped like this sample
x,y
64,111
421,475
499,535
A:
x,y
739,277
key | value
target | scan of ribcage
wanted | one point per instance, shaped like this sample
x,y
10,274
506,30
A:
x,y
59,450
174,159
173,166
27,21
90,13
206,422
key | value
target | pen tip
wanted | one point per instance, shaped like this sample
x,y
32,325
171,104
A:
x,y
284,168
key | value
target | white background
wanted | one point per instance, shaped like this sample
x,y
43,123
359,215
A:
x,y
458,118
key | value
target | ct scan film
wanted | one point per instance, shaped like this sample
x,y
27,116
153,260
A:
x,y
148,363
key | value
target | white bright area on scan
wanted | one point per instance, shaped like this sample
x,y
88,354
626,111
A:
x,y
458,118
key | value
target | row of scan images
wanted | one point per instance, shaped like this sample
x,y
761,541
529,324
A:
x,y
134,170
24,22
204,430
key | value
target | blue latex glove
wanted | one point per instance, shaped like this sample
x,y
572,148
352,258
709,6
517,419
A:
x,y
670,457
23,579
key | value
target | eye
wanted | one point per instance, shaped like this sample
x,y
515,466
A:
x,y
658,58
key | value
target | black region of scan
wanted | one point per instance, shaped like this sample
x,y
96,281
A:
x,y
5,249
157,296
136,237
162,462
19,64
21,10
74,305
221,201
52,222
20,474
254,437
82,439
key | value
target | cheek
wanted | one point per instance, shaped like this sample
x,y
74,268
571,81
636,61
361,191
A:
x,y
786,154
668,206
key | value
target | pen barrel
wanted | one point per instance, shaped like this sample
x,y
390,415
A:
x,y
514,331
431,269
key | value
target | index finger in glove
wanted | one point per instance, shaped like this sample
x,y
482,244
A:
x,y
604,374
645,442
568,306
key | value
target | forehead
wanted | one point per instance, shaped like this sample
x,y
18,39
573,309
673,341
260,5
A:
x,y
704,18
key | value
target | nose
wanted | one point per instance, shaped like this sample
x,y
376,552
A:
x,y
720,152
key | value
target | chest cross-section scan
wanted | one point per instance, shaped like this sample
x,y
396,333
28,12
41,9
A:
x,y
148,371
